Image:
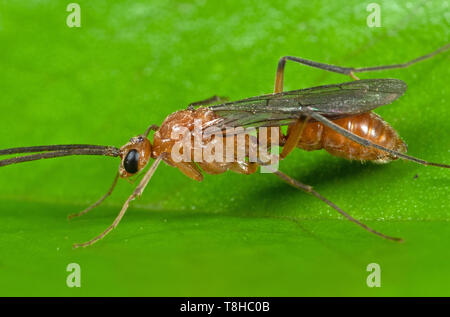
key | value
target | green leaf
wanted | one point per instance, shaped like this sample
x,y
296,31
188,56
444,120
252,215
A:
x,y
130,65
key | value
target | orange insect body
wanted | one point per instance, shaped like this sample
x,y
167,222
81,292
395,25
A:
x,y
315,136
368,125
359,134
170,133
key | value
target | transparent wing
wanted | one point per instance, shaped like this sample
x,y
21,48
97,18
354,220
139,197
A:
x,y
331,101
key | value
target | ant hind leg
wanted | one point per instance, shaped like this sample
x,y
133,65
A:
x,y
350,71
306,188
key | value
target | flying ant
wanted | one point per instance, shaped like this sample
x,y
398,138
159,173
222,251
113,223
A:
x,y
337,118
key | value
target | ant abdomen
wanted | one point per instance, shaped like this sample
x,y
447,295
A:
x,y
368,125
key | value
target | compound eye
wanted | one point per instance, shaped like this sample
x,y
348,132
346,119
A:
x,y
131,162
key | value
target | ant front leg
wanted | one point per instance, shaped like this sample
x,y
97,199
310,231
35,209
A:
x,y
136,193
98,202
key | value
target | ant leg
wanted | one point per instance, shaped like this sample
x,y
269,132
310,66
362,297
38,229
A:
x,y
137,193
277,89
295,130
246,168
310,190
190,169
293,136
98,202
153,127
345,70
207,101
353,76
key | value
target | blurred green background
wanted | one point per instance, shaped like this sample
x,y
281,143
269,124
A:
x,y
134,62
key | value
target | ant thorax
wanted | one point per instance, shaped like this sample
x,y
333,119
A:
x,y
179,126
189,141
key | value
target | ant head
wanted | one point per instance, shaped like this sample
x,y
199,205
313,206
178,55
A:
x,y
135,156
